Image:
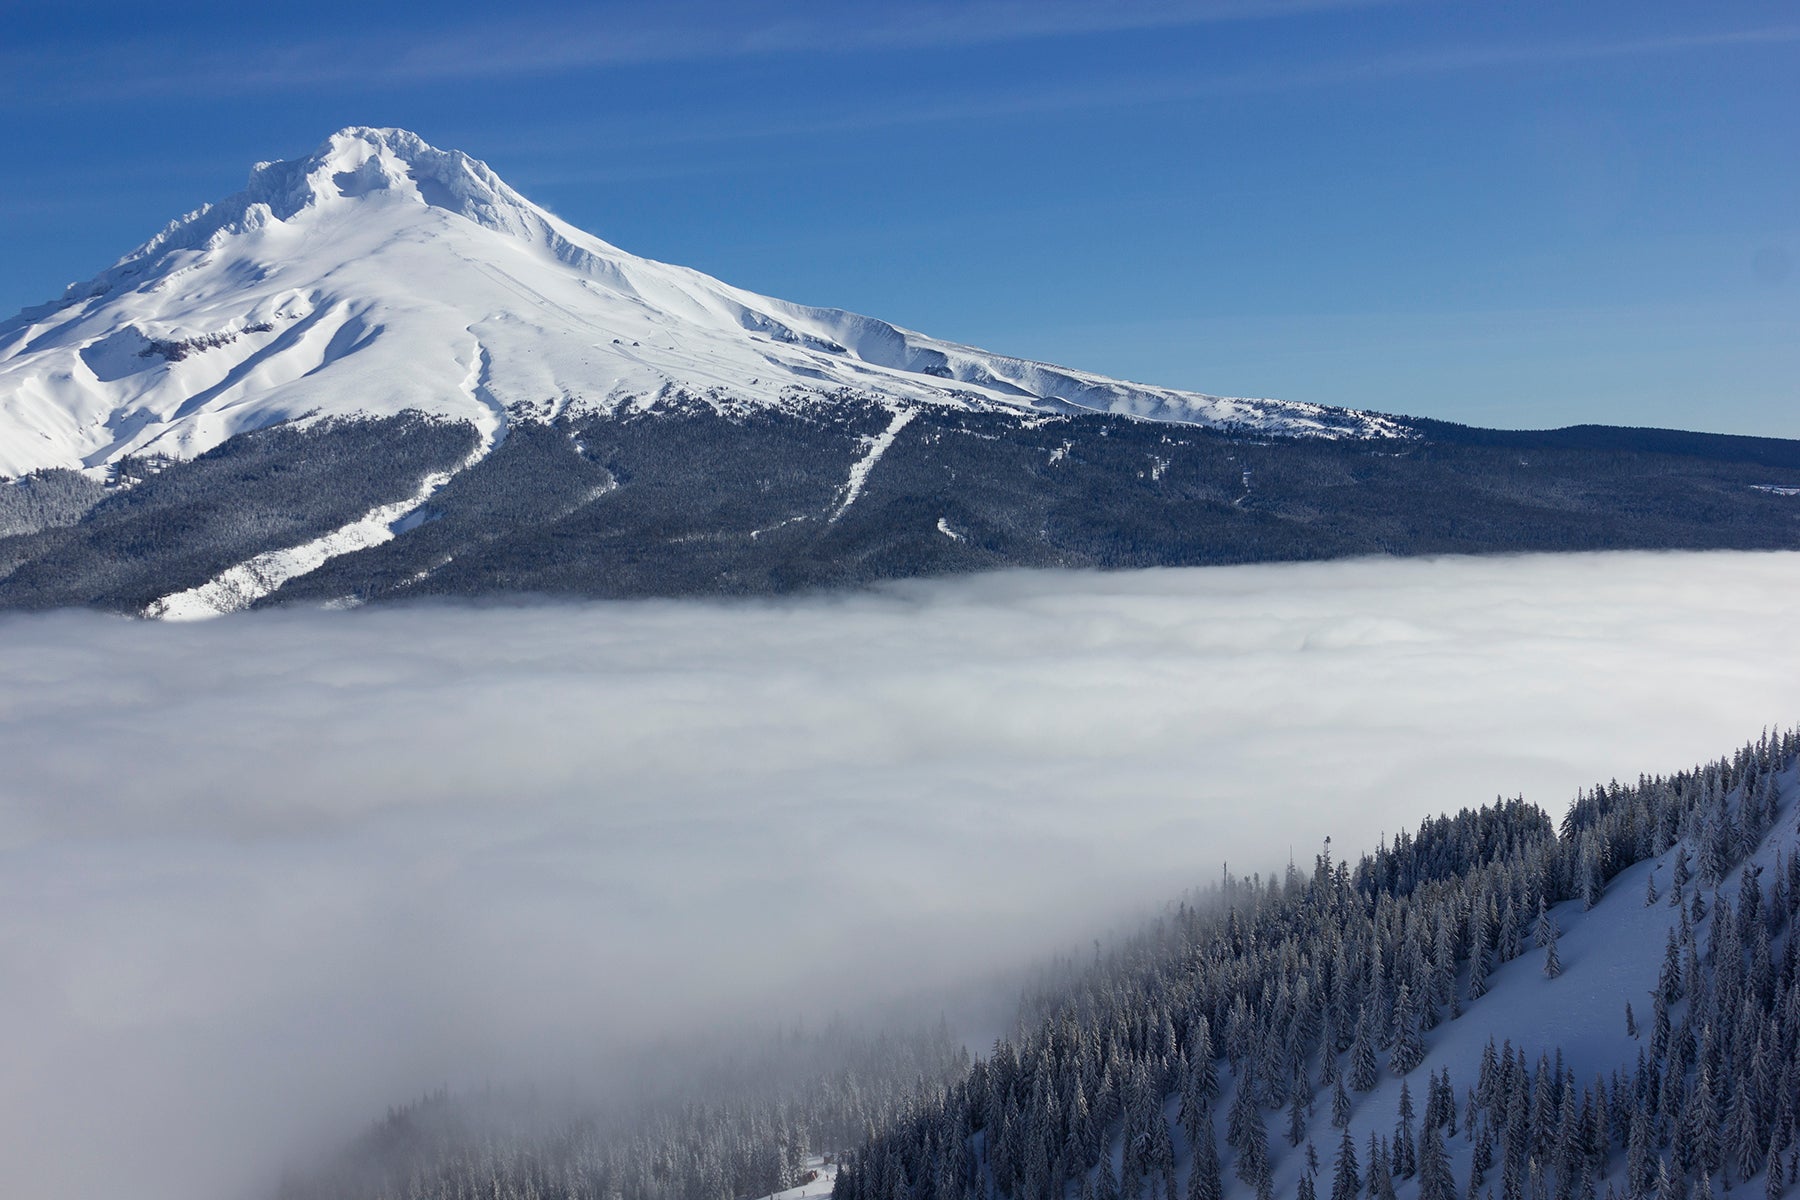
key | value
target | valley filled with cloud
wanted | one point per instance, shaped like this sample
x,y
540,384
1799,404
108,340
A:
x,y
263,876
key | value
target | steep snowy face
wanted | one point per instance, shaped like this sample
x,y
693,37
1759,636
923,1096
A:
x,y
380,274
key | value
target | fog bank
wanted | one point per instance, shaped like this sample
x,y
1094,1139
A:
x,y
263,876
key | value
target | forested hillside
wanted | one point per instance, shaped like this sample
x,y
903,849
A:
x,y
1493,1006
686,501
1498,1005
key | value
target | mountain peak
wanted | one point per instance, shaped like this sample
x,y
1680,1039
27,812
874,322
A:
x,y
358,163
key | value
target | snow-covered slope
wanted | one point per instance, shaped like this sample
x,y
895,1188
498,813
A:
x,y
1609,957
1638,1036
380,274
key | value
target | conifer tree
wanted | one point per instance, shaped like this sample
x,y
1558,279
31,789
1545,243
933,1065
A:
x,y
1435,1181
1409,1045
1478,950
1481,1155
1746,1142
1252,1164
1242,1114
1346,1176
1162,1155
1403,1164
1106,1184
1362,1057
1546,937
1200,1062
1639,1154
1079,1146
1381,1170
1205,1179
1668,983
1509,945
1587,873
1296,1127
1703,1117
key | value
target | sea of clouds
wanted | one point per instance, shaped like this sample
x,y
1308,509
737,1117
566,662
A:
x,y
261,877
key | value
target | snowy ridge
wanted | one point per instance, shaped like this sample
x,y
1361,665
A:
x,y
349,282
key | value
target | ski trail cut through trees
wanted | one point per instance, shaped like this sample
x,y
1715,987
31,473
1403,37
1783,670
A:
x,y
241,586
878,445
237,588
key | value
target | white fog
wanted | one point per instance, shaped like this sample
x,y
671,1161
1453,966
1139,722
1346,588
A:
x,y
262,877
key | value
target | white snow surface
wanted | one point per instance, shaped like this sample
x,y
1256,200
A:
x,y
380,274
823,1170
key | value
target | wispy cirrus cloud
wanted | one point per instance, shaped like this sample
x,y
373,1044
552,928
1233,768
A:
x,y
604,37
970,103
483,49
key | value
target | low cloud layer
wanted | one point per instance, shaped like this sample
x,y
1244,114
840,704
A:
x,y
261,877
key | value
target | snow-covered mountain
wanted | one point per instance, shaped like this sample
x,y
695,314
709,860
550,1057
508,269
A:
x,y
380,274
381,372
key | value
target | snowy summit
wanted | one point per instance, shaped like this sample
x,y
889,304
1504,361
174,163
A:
x,y
380,274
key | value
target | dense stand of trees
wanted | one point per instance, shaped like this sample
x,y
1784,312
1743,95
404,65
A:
x,y
1231,1039
701,501
695,495
1228,1046
44,499
170,525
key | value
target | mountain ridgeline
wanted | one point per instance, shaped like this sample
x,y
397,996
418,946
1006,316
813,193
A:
x,y
379,372
686,500
1496,1005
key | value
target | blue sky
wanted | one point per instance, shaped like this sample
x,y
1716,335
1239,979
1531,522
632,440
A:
x,y
1519,214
